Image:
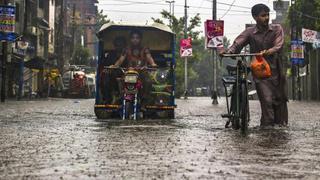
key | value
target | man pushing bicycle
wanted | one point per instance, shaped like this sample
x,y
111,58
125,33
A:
x,y
268,40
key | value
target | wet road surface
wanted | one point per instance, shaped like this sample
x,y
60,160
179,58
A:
x,y
61,139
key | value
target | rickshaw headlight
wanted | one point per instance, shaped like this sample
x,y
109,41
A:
x,y
131,79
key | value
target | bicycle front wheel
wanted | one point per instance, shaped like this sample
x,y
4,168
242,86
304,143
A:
x,y
244,110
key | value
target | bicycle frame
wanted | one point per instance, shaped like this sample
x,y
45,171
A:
x,y
241,75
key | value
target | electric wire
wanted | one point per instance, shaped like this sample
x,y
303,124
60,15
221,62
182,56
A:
x,y
306,15
228,9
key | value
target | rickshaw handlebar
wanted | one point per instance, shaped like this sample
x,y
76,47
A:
x,y
124,69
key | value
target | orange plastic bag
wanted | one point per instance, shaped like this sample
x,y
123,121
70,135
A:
x,y
260,68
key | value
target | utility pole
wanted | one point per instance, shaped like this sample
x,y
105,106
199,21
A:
x,y
25,27
4,65
293,67
171,4
73,28
185,59
297,29
173,8
214,59
61,36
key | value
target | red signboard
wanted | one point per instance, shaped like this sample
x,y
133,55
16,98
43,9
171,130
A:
x,y
186,47
214,33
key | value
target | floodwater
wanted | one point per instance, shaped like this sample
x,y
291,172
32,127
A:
x,y
61,139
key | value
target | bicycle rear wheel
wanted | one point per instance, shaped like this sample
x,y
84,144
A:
x,y
244,110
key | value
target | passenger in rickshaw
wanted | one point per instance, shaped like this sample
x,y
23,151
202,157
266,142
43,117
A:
x,y
138,56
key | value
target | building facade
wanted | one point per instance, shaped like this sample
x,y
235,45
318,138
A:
x,y
84,20
49,31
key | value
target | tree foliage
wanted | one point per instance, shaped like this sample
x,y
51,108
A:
x,y
200,65
81,56
305,14
101,20
178,28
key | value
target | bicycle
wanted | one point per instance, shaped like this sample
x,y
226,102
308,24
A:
x,y
238,113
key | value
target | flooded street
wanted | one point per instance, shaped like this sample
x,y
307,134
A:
x,y
61,139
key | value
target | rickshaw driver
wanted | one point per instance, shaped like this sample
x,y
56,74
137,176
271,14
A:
x,y
138,56
111,94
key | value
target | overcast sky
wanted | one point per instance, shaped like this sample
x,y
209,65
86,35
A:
x,y
142,11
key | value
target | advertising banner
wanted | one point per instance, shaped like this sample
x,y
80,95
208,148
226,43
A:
x,y
7,19
310,36
214,31
297,52
186,47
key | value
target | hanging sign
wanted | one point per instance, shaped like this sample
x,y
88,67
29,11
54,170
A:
x,y
311,36
186,47
20,47
7,19
297,52
7,23
214,33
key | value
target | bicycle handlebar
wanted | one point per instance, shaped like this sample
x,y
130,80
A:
x,y
241,55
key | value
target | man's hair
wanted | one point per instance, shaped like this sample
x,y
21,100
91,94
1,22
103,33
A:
x,y
258,8
136,32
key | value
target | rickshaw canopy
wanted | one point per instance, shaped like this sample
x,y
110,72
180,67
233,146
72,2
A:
x,y
157,37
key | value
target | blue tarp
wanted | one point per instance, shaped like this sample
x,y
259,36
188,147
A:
x,y
8,36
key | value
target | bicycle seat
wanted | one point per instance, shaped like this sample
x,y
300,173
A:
x,y
232,80
233,68
229,79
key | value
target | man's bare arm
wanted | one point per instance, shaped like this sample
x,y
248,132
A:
x,y
120,61
149,58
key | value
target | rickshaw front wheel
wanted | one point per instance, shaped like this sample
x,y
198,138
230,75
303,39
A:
x,y
171,114
102,113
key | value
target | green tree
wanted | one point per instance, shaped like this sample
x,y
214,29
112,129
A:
x,y
200,65
302,14
178,28
305,14
101,20
81,56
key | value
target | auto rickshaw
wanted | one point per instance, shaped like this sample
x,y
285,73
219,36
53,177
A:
x,y
110,83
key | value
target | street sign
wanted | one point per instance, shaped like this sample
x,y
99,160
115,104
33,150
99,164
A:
x,y
297,52
310,36
214,33
186,47
20,47
7,23
7,19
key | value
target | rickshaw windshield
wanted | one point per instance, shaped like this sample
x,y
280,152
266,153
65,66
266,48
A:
x,y
116,42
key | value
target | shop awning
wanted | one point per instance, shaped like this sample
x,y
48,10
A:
x,y
35,63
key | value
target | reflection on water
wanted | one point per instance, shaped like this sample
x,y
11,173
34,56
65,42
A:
x,y
63,139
